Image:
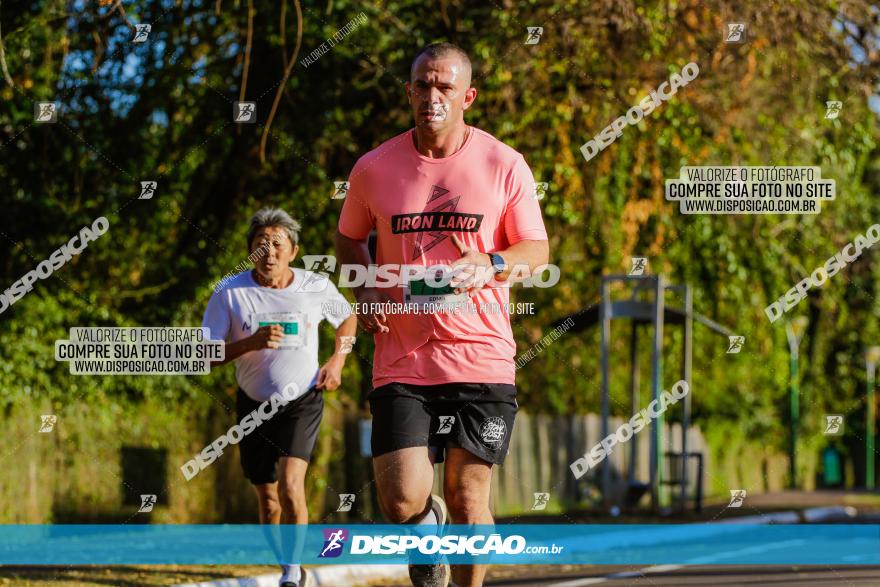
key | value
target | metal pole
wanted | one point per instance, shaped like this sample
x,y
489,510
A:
x,y
795,415
657,497
686,375
634,397
870,429
794,330
605,340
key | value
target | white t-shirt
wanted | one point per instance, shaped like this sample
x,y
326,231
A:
x,y
242,306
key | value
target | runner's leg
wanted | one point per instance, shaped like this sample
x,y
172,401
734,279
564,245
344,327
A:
x,y
294,511
403,468
269,506
291,490
404,479
270,514
466,487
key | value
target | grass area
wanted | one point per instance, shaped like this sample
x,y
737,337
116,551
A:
x,y
154,575
124,576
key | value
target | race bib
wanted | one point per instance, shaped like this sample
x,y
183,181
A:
x,y
421,292
293,323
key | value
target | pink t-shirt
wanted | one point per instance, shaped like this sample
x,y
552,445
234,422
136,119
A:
x,y
484,193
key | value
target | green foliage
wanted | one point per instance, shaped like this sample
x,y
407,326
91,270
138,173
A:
x,y
161,110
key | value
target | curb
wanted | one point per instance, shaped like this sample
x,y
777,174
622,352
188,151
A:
x,y
329,576
824,513
349,575
812,515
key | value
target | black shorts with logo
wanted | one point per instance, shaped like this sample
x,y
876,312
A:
x,y
291,432
477,417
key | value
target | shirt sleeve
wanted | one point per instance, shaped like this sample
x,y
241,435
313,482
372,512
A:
x,y
216,317
335,309
522,217
356,219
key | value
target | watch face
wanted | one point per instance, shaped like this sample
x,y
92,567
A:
x,y
497,263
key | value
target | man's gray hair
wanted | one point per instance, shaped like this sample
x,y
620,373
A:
x,y
273,217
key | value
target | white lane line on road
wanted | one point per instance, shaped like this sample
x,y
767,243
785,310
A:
x,y
694,561
705,560
624,575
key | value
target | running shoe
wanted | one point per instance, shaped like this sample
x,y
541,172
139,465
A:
x,y
305,580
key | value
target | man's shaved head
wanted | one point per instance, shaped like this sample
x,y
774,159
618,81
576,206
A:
x,y
439,90
444,51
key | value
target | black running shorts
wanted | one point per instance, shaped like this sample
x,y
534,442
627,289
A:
x,y
477,417
291,432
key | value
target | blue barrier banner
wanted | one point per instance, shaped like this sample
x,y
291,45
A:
x,y
521,544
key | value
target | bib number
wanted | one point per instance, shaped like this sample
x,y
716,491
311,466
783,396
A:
x,y
293,324
420,292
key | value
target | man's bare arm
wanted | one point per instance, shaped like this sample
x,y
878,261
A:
x,y
531,253
467,278
353,252
330,374
356,252
347,329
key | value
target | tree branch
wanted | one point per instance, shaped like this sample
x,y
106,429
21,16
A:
x,y
284,33
287,72
6,75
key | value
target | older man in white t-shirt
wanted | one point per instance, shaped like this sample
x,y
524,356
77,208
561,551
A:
x,y
269,318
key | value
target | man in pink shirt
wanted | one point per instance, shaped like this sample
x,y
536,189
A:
x,y
443,193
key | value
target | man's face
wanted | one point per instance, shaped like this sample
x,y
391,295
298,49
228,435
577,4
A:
x,y
274,250
439,92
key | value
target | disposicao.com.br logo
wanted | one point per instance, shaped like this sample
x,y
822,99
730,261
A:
x,y
432,544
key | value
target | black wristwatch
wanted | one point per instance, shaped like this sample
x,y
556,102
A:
x,y
498,263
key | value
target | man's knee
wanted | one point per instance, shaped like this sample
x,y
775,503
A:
x,y
401,508
269,505
404,480
292,495
467,505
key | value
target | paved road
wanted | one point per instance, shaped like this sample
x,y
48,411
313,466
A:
x,y
694,574
812,576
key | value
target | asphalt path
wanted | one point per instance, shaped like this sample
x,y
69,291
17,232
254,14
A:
x,y
700,571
